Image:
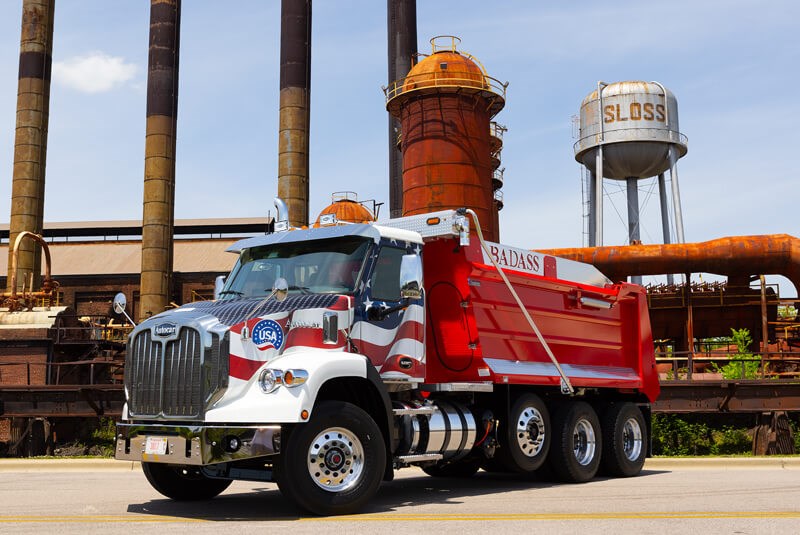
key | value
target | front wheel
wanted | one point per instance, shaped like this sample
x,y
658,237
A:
x,y
624,440
182,483
577,443
333,464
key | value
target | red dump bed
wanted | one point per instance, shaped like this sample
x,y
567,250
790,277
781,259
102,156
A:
x,y
476,331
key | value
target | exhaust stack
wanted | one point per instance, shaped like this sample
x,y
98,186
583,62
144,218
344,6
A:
x,y
30,141
158,216
295,106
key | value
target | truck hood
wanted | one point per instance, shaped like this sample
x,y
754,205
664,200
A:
x,y
230,312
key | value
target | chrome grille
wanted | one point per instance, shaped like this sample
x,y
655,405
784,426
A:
x,y
174,378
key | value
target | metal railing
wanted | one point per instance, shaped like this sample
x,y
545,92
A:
x,y
710,365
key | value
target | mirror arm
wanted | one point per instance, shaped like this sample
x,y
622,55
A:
x,y
381,313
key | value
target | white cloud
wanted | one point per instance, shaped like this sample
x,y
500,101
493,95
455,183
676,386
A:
x,y
95,72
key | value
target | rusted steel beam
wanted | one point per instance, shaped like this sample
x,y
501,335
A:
x,y
30,138
295,108
777,254
75,401
728,396
158,217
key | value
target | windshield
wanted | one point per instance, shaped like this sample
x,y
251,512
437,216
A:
x,y
329,266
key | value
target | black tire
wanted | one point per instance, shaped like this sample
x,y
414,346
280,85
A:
x,y
577,443
183,483
526,437
463,469
624,440
309,469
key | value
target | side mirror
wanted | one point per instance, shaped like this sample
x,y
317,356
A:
x,y
411,277
280,289
120,302
219,283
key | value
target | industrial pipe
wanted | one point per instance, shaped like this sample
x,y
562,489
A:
x,y
159,161
30,140
777,254
15,302
295,106
15,258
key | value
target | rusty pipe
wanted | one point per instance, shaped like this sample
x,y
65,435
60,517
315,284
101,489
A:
x,y
15,258
775,254
30,140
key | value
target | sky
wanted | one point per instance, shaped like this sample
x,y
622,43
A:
x,y
732,65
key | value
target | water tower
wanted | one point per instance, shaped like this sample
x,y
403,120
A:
x,y
629,131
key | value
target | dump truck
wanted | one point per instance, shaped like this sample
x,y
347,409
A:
x,y
333,356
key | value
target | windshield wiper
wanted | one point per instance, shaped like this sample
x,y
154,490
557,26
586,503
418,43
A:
x,y
231,292
302,289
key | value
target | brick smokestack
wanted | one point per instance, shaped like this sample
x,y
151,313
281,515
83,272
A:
x,y
30,140
402,47
295,108
159,160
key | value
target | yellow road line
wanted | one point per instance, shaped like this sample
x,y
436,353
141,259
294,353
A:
x,y
397,517
560,516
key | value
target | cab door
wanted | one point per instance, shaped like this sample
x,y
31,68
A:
x,y
392,339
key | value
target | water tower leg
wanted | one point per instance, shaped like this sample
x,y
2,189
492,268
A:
x,y
598,198
633,218
592,208
662,196
676,195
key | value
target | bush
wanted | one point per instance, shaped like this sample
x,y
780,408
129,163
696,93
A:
x,y
749,363
674,435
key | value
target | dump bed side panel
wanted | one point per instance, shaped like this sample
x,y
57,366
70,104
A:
x,y
477,332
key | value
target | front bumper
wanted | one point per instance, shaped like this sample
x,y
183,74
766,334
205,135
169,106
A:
x,y
195,445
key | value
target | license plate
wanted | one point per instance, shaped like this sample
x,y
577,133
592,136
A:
x,y
155,445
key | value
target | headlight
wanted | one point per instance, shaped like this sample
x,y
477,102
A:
x,y
269,380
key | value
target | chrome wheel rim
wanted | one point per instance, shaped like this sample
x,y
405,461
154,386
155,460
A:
x,y
632,439
530,432
583,442
335,459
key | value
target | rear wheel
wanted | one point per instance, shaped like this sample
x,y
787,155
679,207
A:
x,y
577,443
525,441
333,464
183,483
624,440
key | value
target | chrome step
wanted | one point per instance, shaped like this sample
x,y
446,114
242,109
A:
x,y
418,458
414,411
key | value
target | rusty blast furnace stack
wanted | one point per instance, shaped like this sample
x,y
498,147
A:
x,y
30,142
295,107
159,160
445,105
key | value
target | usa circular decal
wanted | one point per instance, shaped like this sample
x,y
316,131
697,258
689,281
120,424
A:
x,y
266,334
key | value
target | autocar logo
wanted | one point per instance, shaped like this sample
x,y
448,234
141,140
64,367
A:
x,y
165,329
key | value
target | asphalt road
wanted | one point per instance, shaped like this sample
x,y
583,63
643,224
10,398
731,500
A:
x,y
671,496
